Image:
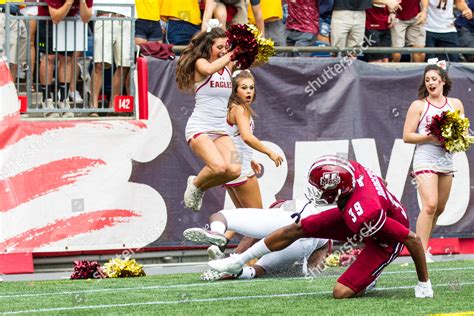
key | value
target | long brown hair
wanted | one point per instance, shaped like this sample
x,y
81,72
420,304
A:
x,y
199,47
234,97
423,92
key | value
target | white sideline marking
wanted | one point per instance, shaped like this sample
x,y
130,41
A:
x,y
172,286
207,300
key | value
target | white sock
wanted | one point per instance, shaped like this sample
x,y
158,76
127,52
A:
x,y
256,251
247,273
218,227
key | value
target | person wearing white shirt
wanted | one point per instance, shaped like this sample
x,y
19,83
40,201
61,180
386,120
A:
x,y
112,45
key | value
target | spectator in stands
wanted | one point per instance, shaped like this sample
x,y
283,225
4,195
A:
x,y
112,44
465,30
217,9
272,15
302,25
147,26
31,10
440,29
348,20
377,31
57,10
16,48
325,12
183,20
205,68
409,28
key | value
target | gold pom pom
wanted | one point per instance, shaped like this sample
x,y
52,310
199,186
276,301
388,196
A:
x,y
266,47
333,260
455,132
119,268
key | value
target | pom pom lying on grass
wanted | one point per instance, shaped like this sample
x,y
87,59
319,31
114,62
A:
x,y
87,270
119,268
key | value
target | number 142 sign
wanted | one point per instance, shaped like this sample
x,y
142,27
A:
x,y
123,103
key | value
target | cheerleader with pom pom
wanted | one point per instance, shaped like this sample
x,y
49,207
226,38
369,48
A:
x,y
432,165
205,68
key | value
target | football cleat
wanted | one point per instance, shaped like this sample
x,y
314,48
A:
x,y
201,235
232,264
193,196
371,286
424,290
213,275
215,253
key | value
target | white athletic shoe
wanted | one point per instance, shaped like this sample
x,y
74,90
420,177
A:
x,y
424,290
213,275
193,196
429,257
371,286
75,96
67,106
201,235
232,264
215,253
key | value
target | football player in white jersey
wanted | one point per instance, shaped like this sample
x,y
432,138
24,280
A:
x,y
309,252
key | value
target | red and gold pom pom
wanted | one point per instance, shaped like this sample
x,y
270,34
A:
x,y
251,45
451,128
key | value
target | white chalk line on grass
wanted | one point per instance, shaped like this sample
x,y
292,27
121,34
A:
x,y
208,300
174,286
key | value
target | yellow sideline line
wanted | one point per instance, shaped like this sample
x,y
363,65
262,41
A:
x,y
455,314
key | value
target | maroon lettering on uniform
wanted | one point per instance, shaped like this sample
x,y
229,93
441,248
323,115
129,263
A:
x,y
220,84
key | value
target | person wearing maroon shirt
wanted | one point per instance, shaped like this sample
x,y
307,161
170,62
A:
x,y
409,28
57,10
302,24
378,22
366,211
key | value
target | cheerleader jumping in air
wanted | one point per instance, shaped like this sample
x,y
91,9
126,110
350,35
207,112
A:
x,y
204,68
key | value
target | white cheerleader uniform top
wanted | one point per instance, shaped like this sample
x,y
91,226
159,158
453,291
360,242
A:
x,y
431,157
244,151
210,110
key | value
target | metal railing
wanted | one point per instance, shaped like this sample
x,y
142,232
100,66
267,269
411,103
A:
x,y
50,45
341,50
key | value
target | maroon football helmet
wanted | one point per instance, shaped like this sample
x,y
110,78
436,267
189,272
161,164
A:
x,y
329,178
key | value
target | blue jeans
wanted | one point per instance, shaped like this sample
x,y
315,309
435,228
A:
x,y
442,40
297,38
466,39
180,32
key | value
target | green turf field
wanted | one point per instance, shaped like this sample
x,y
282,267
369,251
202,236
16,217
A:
x,y
186,294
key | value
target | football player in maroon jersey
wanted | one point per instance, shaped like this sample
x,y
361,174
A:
x,y
366,211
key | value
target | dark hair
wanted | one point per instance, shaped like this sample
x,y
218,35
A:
x,y
199,47
234,97
423,92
